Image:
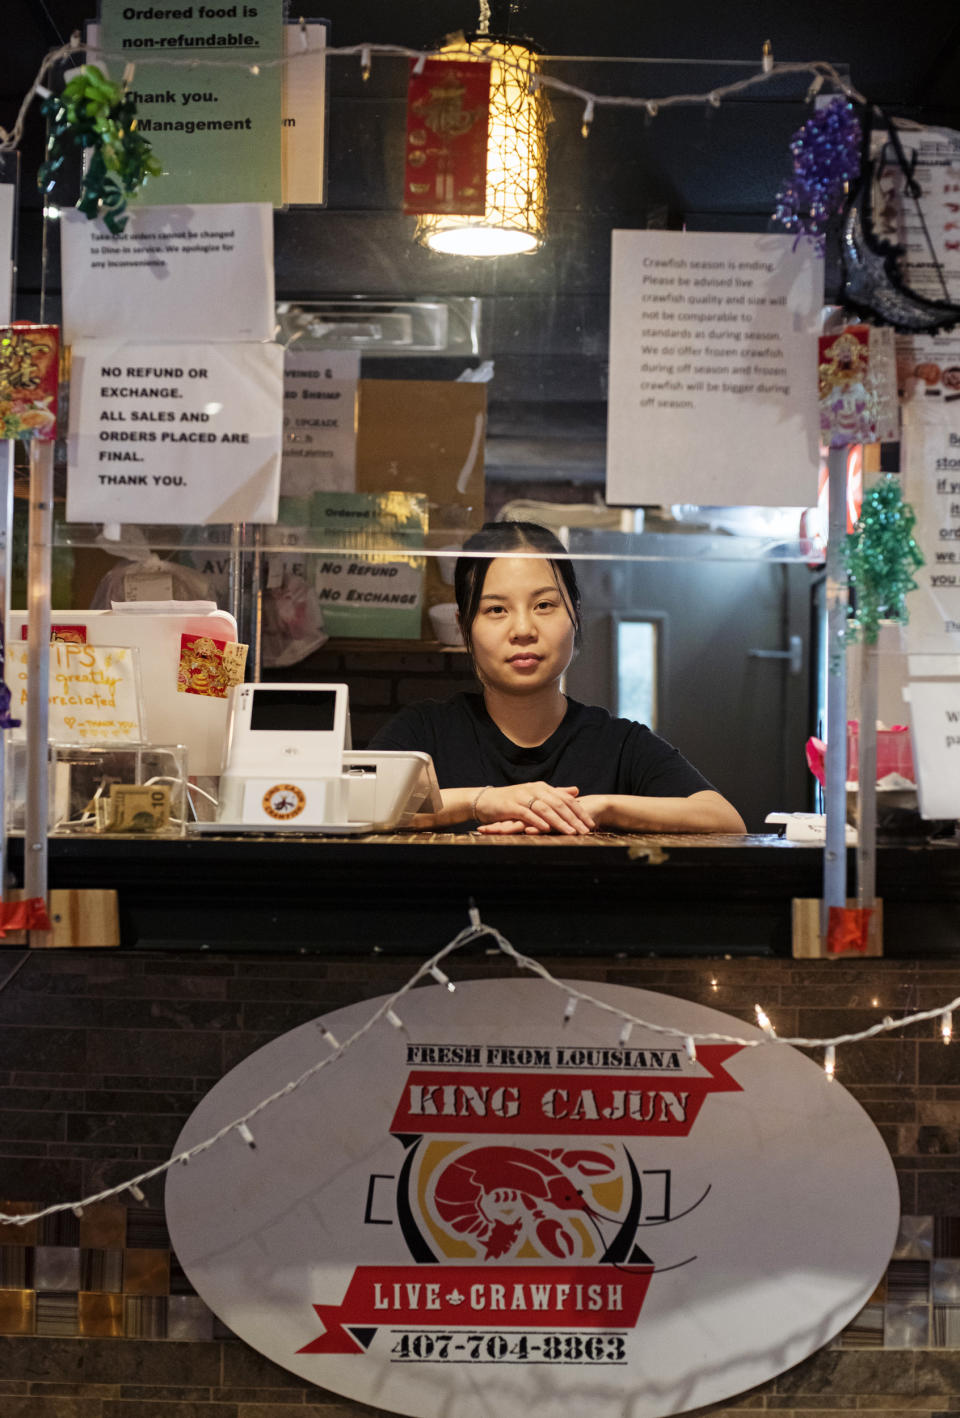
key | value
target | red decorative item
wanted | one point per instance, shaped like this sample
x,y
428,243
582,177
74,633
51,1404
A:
x,y
29,373
208,666
63,634
29,915
847,930
448,108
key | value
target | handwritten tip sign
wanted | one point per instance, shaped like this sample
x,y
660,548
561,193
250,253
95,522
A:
x,y
94,692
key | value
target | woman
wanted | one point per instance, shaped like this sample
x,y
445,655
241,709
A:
x,y
520,756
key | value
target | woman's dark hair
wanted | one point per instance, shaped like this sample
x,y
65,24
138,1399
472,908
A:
x,y
502,538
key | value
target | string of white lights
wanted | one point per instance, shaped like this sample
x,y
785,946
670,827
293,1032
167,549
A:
x,y
477,930
819,70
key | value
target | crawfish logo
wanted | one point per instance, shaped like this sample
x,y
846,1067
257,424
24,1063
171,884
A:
x,y
521,1201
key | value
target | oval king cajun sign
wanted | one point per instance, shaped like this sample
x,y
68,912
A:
x,y
491,1212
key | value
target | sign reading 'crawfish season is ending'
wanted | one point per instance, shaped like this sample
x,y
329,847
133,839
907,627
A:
x,y
491,1212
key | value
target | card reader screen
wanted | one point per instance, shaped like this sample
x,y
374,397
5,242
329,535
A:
x,y
293,711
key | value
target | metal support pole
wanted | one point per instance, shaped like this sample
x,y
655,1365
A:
x,y
835,792
38,668
867,779
235,577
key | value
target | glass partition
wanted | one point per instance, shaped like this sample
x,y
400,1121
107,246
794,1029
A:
x,y
716,592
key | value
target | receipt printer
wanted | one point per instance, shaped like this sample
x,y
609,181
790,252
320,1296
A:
x,y
288,765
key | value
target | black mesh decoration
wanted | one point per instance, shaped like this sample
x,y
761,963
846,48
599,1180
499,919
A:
x,y
872,282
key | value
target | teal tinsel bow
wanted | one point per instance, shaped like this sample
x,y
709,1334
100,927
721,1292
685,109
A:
x,y
95,113
881,557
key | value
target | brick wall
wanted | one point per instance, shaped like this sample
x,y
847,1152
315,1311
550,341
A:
x,y
103,1055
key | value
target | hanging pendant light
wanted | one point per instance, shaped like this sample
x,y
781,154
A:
x,y
515,203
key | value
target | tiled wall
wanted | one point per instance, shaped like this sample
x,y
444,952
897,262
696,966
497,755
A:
x,y
103,1055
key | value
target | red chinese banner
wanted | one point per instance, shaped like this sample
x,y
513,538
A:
x,y
514,1297
448,106
585,1104
29,371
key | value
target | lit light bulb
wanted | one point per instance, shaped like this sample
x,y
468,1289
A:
x,y
830,1060
946,1026
763,1020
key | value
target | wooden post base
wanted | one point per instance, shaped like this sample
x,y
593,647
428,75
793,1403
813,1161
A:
x,y
808,944
88,919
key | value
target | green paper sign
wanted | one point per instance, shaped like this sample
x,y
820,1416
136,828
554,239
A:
x,y
380,593
216,130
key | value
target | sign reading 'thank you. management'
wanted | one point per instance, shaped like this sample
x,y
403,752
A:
x,y
491,1201
214,126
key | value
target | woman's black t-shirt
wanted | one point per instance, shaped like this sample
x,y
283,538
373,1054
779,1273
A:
x,y
590,750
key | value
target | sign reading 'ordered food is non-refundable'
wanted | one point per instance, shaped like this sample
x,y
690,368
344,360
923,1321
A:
x,y
492,1211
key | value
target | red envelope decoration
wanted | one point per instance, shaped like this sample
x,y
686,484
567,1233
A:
x,y
448,107
29,372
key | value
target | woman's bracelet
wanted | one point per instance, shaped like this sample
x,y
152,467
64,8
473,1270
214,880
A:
x,y
473,808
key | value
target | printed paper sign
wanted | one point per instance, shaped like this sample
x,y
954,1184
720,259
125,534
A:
x,y
935,735
490,1201
930,455
8,194
304,122
29,381
319,422
174,433
448,109
713,370
209,666
857,387
94,692
367,588
174,273
68,634
215,128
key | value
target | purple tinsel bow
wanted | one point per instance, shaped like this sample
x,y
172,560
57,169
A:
x,y
826,160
